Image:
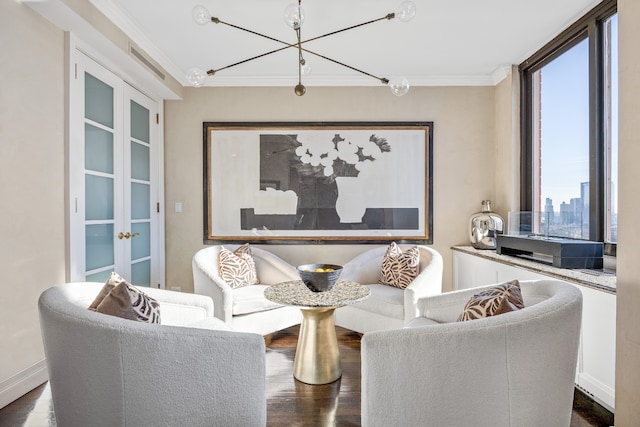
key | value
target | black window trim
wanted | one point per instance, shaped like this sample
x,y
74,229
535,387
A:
x,y
588,26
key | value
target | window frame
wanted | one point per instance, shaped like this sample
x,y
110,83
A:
x,y
591,27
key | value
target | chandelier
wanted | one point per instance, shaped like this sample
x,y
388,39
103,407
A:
x,y
294,17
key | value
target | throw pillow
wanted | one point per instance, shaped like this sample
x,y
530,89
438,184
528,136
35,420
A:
x,y
399,268
237,268
499,299
510,289
481,306
111,283
128,302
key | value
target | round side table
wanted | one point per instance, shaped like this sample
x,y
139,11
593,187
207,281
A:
x,y
317,359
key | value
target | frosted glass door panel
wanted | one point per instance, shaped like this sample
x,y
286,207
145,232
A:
x,y
99,244
98,198
101,276
98,149
140,243
98,101
140,208
100,185
139,122
140,162
141,273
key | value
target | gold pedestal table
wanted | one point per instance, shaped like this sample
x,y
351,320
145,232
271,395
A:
x,y
317,359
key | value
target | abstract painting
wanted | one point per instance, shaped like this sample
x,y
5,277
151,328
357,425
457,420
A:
x,y
325,182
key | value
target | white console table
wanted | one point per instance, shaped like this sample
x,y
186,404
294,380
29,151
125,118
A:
x,y
597,355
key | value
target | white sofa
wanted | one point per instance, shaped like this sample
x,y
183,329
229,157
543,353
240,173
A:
x,y
514,369
189,370
388,307
246,308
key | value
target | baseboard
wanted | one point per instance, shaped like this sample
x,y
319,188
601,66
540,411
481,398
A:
x,y
598,391
23,382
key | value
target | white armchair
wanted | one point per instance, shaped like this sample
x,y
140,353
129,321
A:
x,y
246,308
105,371
513,369
388,307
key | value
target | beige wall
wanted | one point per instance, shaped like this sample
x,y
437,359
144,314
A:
x,y
463,156
628,276
32,179
507,144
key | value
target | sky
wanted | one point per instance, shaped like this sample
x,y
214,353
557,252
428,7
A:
x,y
565,122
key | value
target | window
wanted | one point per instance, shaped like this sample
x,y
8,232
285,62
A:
x,y
570,131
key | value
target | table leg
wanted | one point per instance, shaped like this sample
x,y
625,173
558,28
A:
x,y
317,358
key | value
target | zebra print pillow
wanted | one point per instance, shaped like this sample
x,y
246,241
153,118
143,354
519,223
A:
x,y
128,302
496,300
399,268
237,268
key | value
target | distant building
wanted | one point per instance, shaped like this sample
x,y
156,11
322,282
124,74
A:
x,y
548,210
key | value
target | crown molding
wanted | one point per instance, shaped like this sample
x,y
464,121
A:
x,y
500,74
333,81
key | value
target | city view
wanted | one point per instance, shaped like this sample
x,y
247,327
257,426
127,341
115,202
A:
x,y
572,219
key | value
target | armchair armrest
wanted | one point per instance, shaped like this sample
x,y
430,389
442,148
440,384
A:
x,y
180,309
428,283
206,281
446,307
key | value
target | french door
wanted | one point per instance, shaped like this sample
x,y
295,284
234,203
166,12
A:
x,y
113,178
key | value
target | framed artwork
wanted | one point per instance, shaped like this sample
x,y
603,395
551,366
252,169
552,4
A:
x,y
332,182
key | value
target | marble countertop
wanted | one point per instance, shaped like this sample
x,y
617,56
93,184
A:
x,y
591,278
295,293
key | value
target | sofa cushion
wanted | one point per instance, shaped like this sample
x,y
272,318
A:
x,y
129,302
420,322
399,268
237,268
211,323
250,299
384,300
496,300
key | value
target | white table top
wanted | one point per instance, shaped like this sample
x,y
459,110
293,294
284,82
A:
x,y
295,293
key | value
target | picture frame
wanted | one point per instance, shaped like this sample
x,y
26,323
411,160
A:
x,y
318,182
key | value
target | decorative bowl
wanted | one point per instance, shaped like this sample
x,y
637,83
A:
x,y
319,277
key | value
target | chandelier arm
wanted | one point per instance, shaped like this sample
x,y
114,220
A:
x,y
299,44
213,71
383,80
218,21
388,16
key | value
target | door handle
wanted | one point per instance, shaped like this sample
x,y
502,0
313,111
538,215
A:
x,y
126,235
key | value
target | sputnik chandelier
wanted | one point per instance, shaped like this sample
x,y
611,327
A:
x,y
294,18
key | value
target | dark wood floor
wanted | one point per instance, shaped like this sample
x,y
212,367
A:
x,y
289,402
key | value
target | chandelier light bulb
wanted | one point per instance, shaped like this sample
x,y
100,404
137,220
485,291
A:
x,y
196,77
201,15
294,16
406,11
399,87
305,68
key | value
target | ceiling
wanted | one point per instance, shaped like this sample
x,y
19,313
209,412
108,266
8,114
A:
x,y
450,42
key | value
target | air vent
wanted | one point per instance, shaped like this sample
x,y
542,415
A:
x,y
144,60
